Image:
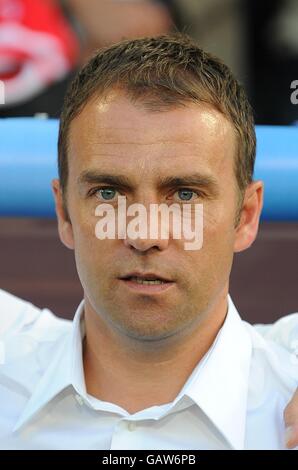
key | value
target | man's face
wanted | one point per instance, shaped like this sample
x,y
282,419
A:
x,y
117,138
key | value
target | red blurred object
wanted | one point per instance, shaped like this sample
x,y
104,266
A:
x,y
37,47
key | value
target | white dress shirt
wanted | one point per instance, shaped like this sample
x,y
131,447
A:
x,y
234,398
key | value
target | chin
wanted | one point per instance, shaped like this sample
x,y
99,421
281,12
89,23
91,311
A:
x,y
148,333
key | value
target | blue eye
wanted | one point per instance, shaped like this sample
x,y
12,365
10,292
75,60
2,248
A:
x,y
107,193
185,194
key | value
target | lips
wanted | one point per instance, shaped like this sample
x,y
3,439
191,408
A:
x,y
149,283
140,277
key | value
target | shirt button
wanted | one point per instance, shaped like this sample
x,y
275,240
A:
x,y
79,400
131,426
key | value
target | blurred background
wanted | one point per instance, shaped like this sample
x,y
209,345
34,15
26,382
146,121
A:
x,y
44,42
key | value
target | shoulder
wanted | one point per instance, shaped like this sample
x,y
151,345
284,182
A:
x,y
272,381
275,358
284,331
26,331
18,316
29,339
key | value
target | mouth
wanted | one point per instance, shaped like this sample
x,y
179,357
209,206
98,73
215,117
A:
x,y
147,282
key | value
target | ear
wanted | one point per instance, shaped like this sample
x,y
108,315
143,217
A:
x,y
247,229
64,224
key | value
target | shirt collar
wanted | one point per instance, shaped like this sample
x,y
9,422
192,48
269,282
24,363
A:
x,y
219,384
65,369
220,391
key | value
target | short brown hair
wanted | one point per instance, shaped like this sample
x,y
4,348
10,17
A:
x,y
162,72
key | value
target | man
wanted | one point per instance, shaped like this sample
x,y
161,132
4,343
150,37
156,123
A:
x,y
157,356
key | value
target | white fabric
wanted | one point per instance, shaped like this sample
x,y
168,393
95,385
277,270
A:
x,y
234,399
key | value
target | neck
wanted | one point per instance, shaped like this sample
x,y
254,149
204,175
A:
x,y
136,375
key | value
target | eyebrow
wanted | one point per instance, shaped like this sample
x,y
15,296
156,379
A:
x,y
89,177
94,177
194,179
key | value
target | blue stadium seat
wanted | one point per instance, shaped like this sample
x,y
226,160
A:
x,y
28,154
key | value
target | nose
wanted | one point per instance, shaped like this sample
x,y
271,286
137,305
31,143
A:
x,y
146,244
147,233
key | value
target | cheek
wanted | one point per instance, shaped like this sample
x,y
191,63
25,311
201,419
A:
x,y
84,232
84,220
92,255
214,259
219,233
95,263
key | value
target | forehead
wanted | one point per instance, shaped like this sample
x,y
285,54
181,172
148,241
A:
x,y
114,133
